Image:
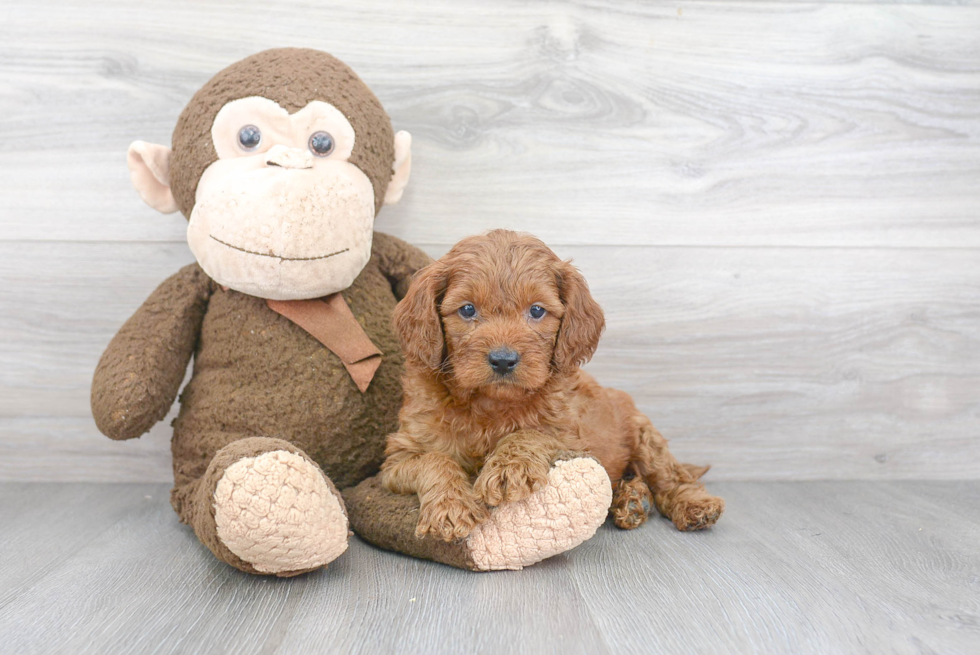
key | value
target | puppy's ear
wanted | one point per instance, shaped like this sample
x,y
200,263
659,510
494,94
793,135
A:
x,y
582,323
416,318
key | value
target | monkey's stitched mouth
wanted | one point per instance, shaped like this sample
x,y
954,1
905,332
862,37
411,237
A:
x,y
285,259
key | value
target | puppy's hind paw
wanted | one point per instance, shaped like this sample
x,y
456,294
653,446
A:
x,y
631,505
698,513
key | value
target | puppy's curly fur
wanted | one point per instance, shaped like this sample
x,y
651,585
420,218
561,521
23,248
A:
x,y
494,334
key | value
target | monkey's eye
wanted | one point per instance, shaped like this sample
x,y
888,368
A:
x,y
467,311
249,137
321,144
537,311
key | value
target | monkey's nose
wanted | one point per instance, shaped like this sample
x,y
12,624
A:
x,y
288,157
503,360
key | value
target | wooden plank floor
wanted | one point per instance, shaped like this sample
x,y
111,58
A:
x,y
807,567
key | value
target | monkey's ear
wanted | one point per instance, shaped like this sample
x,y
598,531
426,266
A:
x,y
401,168
149,169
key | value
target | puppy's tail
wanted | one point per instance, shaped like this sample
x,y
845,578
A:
x,y
655,464
697,471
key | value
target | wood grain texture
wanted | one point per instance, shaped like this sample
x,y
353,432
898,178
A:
x,y
775,202
768,363
856,567
739,123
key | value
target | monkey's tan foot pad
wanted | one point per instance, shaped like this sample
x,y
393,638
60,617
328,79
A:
x,y
276,512
556,518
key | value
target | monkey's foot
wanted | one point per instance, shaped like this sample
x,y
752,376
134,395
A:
x,y
276,512
559,516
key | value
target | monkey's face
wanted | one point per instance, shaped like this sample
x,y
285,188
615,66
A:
x,y
282,213
281,199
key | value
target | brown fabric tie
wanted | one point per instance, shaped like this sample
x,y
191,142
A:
x,y
330,321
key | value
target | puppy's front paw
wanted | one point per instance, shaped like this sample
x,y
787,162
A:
x,y
451,517
510,479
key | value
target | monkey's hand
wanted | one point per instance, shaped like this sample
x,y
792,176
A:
x,y
140,372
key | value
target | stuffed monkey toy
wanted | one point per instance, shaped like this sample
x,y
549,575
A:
x,y
280,164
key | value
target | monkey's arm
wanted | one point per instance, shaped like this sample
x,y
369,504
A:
x,y
140,371
398,261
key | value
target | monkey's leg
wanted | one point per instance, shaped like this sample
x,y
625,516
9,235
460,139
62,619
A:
x,y
264,507
676,490
557,517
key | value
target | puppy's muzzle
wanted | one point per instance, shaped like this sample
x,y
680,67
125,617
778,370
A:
x,y
503,361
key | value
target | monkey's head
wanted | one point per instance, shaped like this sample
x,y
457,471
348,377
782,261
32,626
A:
x,y
280,162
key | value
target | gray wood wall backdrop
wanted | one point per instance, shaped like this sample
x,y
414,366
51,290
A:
x,y
777,203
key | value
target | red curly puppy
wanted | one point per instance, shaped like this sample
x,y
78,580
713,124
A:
x,y
494,334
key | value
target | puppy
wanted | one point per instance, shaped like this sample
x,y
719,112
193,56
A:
x,y
494,334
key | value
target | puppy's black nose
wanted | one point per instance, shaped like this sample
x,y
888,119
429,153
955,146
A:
x,y
503,360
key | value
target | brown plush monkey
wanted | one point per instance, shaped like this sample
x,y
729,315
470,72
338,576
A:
x,y
280,163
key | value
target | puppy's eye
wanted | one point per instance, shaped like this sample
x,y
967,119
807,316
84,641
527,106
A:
x,y
249,137
537,311
467,311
